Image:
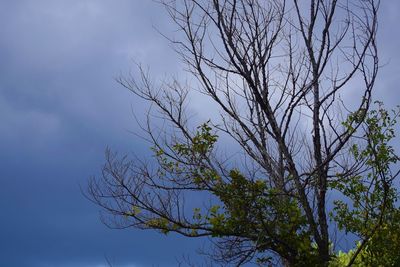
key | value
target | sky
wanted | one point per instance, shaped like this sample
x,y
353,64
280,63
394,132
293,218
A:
x,y
60,107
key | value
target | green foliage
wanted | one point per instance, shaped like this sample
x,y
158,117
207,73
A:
x,y
252,209
201,144
192,157
381,251
247,207
370,209
162,224
342,259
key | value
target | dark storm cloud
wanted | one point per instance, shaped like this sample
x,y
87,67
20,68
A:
x,y
60,107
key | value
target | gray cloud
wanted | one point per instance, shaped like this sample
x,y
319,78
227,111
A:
x,y
60,107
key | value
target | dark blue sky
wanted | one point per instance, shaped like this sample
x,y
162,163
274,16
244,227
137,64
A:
x,y
60,107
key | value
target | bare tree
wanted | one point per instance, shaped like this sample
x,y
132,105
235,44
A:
x,y
293,81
